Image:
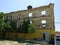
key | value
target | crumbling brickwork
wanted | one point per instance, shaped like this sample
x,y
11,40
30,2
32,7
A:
x,y
42,17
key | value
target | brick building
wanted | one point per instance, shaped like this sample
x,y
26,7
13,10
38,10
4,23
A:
x,y
42,17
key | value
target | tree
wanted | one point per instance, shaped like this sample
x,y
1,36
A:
x,y
2,23
13,25
25,26
32,28
4,26
7,27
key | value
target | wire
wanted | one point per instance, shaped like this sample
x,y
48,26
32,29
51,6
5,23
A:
x,y
57,22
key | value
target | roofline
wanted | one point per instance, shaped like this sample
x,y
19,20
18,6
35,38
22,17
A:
x,y
32,8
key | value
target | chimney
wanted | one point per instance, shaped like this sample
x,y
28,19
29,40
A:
x,y
29,7
51,4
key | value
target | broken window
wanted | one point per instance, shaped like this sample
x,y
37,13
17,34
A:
x,y
44,25
43,12
30,14
30,21
43,22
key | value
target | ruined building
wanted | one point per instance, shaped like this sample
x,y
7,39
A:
x,y
42,17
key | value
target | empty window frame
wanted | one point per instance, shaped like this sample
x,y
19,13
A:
x,y
30,14
44,25
30,21
43,12
43,21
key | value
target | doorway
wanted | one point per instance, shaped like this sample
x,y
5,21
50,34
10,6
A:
x,y
45,36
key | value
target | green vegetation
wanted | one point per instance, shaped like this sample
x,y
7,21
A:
x,y
4,26
2,23
27,27
32,28
11,25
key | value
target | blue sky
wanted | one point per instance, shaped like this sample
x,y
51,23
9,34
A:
x,y
15,5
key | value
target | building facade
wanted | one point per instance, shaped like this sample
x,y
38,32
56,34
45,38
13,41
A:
x,y
42,17
57,38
